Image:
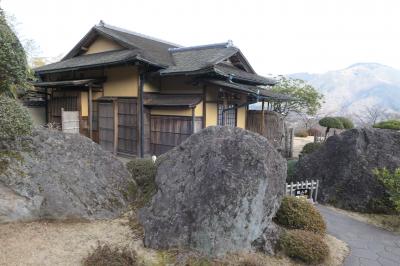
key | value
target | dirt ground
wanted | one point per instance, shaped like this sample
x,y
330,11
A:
x,y
298,144
62,243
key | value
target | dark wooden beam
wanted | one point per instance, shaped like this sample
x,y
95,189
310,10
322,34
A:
x,y
115,109
193,120
141,113
262,118
90,104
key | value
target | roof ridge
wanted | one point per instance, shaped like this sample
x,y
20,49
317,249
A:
x,y
105,25
227,44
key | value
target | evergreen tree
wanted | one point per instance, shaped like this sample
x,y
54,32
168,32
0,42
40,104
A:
x,y
13,65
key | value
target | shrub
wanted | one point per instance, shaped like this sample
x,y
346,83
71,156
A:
x,y
301,134
346,122
15,119
313,132
310,148
389,124
297,213
104,255
306,246
391,181
144,171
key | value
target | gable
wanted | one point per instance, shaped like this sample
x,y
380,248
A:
x,y
240,62
102,44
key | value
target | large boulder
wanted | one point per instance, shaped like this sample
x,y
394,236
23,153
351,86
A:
x,y
217,192
51,175
344,165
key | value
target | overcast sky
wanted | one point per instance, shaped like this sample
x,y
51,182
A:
x,y
276,36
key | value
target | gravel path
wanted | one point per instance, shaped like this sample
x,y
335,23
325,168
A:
x,y
369,245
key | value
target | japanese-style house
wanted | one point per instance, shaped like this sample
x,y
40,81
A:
x,y
137,95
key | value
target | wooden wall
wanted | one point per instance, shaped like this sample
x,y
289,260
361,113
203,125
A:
x,y
274,127
166,132
68,101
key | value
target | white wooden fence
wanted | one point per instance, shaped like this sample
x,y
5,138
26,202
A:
x,y
69,121
306,188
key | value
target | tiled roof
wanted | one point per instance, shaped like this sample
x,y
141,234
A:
x,y
253,90
91,60
170,58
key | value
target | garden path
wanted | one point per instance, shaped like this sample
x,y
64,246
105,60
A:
x,y
369,245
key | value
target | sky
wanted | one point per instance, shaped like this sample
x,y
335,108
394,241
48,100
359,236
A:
x,y
276,36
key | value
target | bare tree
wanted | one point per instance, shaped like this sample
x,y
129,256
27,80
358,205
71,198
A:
x,y
370,115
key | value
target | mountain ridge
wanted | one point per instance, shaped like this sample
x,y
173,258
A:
x,y
356,87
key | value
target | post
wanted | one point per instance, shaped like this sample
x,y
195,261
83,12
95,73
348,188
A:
x,y
62,118
90,99
141,107
262,118
316,191
291,143
46,97
291,188
193,120
115,110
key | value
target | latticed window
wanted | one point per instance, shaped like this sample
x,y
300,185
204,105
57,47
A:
x,y
227,118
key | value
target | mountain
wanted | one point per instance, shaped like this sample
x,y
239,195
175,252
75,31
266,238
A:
x,y
351,90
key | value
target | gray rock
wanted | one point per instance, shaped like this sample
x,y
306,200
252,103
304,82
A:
x,y
52,175
217,192
269,239
345,164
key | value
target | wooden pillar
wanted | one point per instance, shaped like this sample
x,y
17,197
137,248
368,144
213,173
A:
x,y
204,106
225,103
46,97
115,109
262,118
141,114
90,99
193,120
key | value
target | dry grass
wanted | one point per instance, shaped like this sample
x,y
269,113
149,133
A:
x,y
64,243
68,243
387,222
338,252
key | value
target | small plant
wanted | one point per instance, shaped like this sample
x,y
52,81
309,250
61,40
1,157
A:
x,y
305,246
389,124
301,134
104,255
330,122
310,148
144,171
391,181
15,119
297,213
